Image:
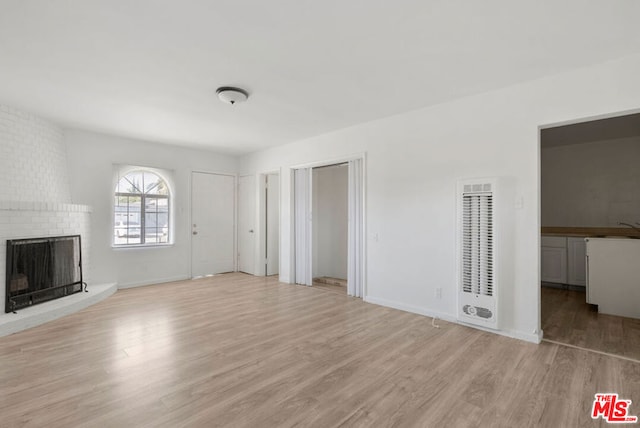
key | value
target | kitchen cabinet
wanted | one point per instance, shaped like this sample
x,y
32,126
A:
x,y
554,259
576,261
564,260
613,276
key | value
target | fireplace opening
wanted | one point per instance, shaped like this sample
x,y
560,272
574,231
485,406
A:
x,y
42,269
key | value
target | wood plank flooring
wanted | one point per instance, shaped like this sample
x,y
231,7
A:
x,y
242,351
334,285
567,318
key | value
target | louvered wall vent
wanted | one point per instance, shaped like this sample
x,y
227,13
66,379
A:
x,y
477,299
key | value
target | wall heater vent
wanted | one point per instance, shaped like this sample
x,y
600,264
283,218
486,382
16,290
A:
x,y
477,292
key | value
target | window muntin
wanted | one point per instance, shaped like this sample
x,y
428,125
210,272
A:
x,y
141,210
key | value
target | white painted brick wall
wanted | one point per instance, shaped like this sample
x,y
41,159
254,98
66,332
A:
x,y
32,220
33,158
35,196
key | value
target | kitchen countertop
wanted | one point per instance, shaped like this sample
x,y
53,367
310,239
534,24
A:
x,y
590,232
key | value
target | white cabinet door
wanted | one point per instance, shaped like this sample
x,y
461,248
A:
x,y
554,264
577,266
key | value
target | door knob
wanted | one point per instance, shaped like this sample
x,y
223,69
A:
x,y
250,230
194,232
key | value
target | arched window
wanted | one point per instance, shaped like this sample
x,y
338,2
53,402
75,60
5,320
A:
x,y
141,214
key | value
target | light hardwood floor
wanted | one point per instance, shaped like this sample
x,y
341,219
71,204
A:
x,y
331,284
567,318
236,350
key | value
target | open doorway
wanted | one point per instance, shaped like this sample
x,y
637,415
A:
x,y
328,202
330,227
590,215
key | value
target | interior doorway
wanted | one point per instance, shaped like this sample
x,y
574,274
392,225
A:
x,y
330,186
329,226
590,209
212,224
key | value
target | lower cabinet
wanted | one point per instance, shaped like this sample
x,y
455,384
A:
x,y
576,261
563,260
554,265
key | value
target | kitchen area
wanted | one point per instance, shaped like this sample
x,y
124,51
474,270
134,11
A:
x,y
602,263
590,235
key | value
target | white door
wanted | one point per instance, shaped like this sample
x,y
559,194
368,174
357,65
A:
x,y
246,223
272,225
212,224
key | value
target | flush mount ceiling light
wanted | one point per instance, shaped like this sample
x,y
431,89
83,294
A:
x,y
231,95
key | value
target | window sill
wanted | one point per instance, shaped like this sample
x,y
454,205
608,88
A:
x,y
140,246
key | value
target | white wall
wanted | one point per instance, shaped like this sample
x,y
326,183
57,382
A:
x,y
412,163
592,184
91,158
330,215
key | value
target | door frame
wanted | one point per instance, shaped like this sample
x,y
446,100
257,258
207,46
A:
x,y
238,232
261,254
235,216
573,121
357,156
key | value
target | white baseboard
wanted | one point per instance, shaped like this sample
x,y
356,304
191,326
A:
x,y
44,312
533,337
410,308
151,282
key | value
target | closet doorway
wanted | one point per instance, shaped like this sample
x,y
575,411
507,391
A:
x,y
329,226
330,229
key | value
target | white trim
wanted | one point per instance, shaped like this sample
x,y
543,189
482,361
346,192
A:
x,y
588,119
303,226
355,231
152,282
260,220
333,161
140,246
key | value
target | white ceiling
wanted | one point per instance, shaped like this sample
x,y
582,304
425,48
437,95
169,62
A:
x,y
149,69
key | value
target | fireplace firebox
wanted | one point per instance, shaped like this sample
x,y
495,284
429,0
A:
x,y
42,269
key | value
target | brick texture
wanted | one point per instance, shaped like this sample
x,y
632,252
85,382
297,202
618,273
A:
x,y
33,159
35,196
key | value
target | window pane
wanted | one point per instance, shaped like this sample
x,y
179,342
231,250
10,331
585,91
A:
x,y
151,204
154,185
150,220
126,228
163,204
130,183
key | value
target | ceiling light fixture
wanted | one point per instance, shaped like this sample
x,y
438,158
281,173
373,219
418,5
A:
x,y
231,95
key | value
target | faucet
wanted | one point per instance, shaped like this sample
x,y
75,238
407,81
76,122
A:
x,y
630,225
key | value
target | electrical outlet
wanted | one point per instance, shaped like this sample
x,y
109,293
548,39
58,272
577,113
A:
x,y
438,293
